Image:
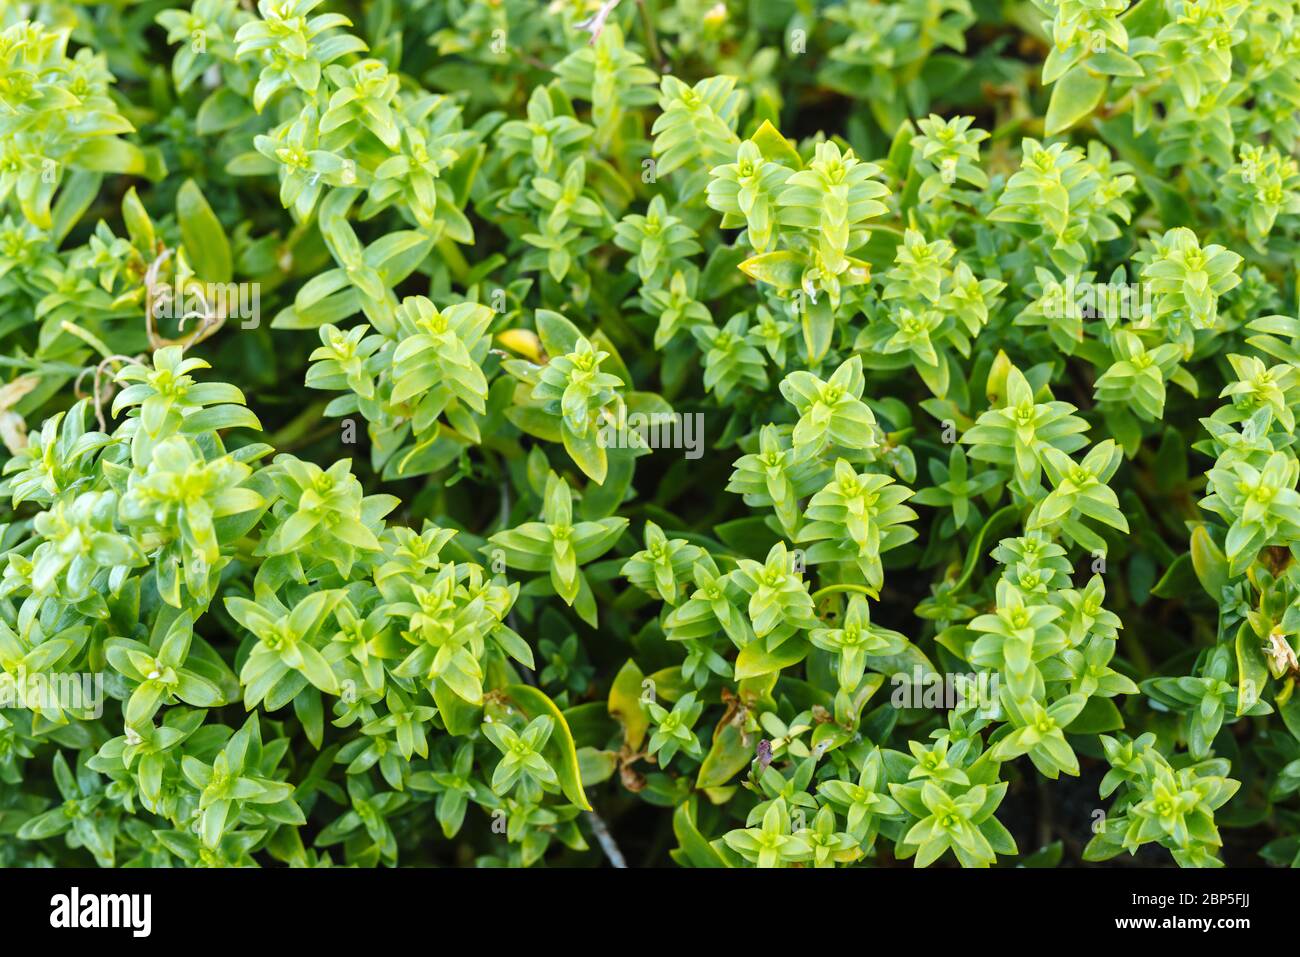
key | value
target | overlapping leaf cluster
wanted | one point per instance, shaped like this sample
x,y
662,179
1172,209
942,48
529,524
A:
x,y
331,337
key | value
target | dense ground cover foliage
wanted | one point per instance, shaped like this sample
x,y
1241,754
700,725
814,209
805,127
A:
x,y
776,433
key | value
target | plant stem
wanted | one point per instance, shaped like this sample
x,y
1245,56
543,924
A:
x,y
606,840
844,586
651,40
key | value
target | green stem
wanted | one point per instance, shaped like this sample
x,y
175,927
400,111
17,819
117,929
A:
x,y
844,586
996,521
88,337
651,40
36,365
453,260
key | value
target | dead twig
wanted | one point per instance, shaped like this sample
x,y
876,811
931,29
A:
x,y
595,24
606,840
210,320
99,371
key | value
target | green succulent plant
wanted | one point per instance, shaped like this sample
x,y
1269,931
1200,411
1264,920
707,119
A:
x,y
774,435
